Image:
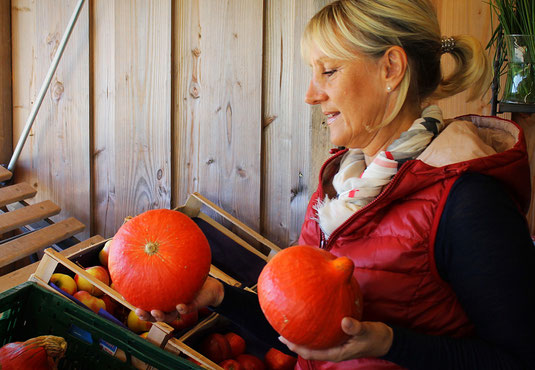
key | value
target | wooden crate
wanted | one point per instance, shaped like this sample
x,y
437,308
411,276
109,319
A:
x,y
19,237
243,256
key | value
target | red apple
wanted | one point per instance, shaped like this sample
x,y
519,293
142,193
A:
x,y
97,271
250,362
64,282
94,303
216,347
185,321
137,325
111,304
277,360
103,254
230,364
237,344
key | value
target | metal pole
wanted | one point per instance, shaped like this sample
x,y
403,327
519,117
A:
x,y
44,87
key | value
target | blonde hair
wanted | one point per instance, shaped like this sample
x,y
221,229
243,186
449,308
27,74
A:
x,y
370,27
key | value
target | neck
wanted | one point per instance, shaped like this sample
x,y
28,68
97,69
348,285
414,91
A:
x,y
387,134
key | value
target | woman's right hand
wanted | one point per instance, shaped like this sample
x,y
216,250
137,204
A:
x,y
211,294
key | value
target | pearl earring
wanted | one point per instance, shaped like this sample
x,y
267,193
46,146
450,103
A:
x,y
388,88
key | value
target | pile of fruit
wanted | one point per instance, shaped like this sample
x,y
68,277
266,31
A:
x,y
229,350
143,247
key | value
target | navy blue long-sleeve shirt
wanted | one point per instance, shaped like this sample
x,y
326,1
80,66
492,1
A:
x,y
484,251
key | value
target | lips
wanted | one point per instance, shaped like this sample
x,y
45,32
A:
x,y
331,117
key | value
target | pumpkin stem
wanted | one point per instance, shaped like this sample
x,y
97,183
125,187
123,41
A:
x,y
344,266
151,248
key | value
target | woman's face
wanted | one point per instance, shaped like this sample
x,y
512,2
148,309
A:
x,y
351,94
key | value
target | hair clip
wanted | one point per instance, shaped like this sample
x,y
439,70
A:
x,y
447,45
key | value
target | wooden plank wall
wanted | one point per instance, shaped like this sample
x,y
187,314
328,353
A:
x,y
131,97
56,156
156,99
6,123
217,104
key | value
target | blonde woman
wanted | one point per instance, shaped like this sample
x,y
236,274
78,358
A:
x,y
430,211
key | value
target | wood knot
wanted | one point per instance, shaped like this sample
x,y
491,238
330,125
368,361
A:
x,y
57,91
194,90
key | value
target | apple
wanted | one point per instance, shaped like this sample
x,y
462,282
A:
x,y
97,271
111,304
216,347
250,362
65,283
94,303
230,364
137,325
237,343
185,321
277,360
144,335
103,254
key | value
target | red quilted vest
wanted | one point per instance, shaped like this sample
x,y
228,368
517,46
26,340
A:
x,y
391,242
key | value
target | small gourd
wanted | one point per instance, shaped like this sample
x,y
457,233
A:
x,y
39,353
305,292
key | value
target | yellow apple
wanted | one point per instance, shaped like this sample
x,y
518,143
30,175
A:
x,y
103,254
64,282
97,271
137,325
144,335
94,303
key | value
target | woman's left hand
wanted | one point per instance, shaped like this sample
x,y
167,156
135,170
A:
x,y
368,339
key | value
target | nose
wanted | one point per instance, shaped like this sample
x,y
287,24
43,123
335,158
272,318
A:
x,y
314,94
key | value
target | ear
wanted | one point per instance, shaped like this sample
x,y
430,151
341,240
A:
x,y
393,66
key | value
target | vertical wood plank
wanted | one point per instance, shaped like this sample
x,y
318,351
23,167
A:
x,y
6,132
295,141
132,150
457,17
103,107
217,106
55,158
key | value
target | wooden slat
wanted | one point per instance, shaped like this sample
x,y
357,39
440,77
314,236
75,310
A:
x,y
132,109
15,193
295,141
6,109
21,275
37,240
5,174
27,215
218,104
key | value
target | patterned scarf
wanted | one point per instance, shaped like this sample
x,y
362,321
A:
x,y
357,185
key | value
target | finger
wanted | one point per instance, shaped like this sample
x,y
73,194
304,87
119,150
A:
x,y
143,315
352,326
162,316
184,309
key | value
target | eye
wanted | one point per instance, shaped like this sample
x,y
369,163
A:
x,y
329,72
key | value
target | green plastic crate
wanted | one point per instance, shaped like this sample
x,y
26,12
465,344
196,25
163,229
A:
x,y
29,310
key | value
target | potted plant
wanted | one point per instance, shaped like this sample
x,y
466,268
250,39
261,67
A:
x,y
513,42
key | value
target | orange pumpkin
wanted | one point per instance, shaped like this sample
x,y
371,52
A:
x,y
305,292
158,259
39,353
